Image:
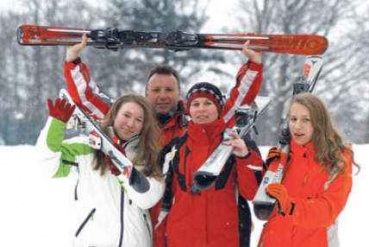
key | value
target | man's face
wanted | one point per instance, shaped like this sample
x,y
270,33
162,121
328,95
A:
x,y
162,92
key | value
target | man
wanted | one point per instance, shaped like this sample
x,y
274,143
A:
x,y
163,92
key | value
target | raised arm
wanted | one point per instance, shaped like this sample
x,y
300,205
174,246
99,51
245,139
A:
x,y
59,155
248,83
80,86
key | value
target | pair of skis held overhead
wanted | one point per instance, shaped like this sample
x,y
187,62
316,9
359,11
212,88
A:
x,y
114,39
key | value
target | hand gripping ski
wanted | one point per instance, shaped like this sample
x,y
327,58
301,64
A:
x,y
246,117
263,203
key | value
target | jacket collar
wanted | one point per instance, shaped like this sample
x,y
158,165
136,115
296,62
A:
x,y
206,132
173,118
300,150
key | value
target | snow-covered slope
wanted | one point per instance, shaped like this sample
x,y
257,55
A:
x,y
34,207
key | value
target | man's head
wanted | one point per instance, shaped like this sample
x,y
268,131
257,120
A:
x,y
163,89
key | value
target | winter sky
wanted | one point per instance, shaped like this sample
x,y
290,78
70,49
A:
x,y
218,9
34,208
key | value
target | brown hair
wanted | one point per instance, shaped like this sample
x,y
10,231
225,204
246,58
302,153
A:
x,y
327,141
148,145
164,70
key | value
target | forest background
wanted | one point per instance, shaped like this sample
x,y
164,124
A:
x,y
30,75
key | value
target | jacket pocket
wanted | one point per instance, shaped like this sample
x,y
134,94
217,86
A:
x,y
83,224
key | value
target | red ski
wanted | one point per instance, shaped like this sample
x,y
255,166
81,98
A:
x,y
111,38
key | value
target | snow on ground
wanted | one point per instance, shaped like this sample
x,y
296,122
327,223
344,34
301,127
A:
x,y
34,208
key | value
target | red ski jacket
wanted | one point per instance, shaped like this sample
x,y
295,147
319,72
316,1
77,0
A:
x,y
210,218
318,197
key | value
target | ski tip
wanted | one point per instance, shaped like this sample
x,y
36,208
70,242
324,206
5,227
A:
x,y
138,181
35,35
204,180
298,44
19,33
263,210
323,45
309,45
24,33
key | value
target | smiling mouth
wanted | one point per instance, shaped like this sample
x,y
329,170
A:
x,y
163,105
127,131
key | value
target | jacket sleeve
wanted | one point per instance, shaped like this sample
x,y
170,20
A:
x,y
84,91
248,83
247,180
149,198
323,210
59,155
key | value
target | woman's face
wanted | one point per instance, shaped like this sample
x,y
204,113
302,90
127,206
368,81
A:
x,y
300,124
129,120
203,111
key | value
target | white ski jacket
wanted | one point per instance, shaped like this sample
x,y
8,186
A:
x,y
108,211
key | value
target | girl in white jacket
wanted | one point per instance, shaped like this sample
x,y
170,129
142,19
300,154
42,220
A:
x,y
109,212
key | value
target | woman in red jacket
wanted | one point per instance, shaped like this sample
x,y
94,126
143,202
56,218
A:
x,y
209,218
317,181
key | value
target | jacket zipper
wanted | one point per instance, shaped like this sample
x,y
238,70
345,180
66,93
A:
x,y
85,222
147,225
75,164
121,217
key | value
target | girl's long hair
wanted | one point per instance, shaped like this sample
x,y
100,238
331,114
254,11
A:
x,y
148,146
327,141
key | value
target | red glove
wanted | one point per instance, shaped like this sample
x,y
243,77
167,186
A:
x,y
61,110
280,193
273,153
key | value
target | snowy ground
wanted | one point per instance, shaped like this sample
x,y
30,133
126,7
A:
x,y
34,208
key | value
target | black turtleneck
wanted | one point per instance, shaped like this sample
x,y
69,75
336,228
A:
x,y
163,118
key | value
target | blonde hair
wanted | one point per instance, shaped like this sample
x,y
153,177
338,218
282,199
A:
x,y
148,146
